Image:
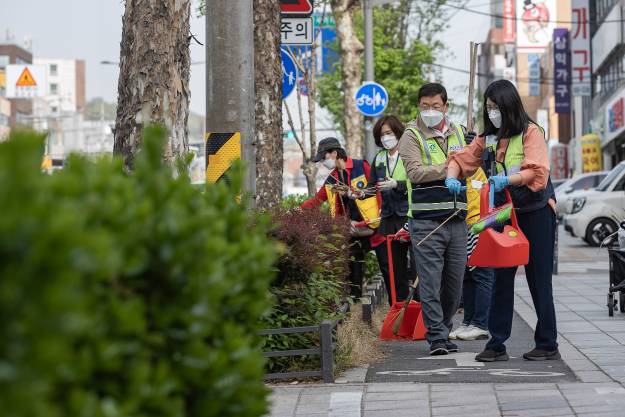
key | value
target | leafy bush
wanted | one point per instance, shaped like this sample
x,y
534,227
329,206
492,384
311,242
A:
x,y
311,281
127,294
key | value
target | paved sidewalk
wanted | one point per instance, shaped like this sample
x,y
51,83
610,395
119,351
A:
x,y
592,345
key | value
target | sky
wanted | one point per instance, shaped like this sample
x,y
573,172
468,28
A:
x,y
91,30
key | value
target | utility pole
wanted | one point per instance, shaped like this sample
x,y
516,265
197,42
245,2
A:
x,y
370,150
230,88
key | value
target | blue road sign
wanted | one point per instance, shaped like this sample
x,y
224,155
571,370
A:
x,y
289,74
371,99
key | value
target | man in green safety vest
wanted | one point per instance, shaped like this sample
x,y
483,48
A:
x,y
441,258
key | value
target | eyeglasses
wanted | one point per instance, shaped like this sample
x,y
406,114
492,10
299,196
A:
x,y
424,107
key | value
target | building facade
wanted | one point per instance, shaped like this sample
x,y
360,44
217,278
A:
x,y
65,84
608,54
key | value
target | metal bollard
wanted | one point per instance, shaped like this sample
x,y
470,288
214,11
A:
x,y
327,352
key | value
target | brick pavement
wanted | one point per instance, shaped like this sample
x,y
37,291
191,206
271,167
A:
x,y
592,345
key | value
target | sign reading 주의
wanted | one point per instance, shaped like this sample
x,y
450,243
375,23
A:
x,y
222,149
296,31
289,73
371,99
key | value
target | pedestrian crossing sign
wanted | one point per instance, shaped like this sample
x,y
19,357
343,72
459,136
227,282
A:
x,y
26,79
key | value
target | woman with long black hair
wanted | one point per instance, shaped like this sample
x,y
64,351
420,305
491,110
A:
x,y
522,165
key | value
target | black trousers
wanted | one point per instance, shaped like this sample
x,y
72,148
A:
x,y
358,251
539,227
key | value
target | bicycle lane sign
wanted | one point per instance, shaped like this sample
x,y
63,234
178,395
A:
x,y
371,99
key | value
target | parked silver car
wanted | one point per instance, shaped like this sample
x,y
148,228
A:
x,y
581,182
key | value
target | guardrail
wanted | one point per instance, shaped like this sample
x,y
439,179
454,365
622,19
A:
x,y
372,299
325,350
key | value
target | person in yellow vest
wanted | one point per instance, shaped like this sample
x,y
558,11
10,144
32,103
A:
x,y
441,258
519,149
388,176
477,287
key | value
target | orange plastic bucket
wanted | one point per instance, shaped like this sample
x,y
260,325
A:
x,y
504,249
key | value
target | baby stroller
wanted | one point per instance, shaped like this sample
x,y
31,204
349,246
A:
x,y
617,274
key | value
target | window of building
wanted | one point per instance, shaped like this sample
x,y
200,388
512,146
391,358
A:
x,y
54,69
611,75
4,61
603,7
54,109
54,89
20,61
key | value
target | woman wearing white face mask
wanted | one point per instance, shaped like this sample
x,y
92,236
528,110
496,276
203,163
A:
x,y
343,189
517,146
388,175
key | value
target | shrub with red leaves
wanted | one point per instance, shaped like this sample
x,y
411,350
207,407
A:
x,y
314,241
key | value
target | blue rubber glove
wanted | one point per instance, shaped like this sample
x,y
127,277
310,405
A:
x,y
499,182
453,185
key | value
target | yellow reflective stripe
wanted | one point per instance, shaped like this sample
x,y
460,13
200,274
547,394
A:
x,y
448,205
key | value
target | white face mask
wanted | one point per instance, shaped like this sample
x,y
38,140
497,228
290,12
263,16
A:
x,y
389,141
329,163
432,117
495,117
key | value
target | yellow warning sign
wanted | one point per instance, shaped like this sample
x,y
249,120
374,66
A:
x,y
222,149
26,79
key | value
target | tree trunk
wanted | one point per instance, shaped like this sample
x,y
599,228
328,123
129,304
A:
x,y
268,92
351,50
154,75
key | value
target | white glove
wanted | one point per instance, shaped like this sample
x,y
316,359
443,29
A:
x,y
389,184
356,194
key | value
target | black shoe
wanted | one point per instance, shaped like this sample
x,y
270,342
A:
x,y
542,355
451,347
488,355
438,347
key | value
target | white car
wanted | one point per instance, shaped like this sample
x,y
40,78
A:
x,y
595,214
582,182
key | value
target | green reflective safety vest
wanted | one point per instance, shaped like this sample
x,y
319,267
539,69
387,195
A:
x,y
432,200
398,174
393,201
524,199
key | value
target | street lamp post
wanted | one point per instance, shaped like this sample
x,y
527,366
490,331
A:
x,y
370,70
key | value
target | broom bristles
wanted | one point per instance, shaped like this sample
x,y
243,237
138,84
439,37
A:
x,y
402,312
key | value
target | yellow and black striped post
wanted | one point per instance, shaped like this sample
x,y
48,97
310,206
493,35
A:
x,y
222,149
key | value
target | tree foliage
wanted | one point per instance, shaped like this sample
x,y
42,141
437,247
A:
x,y
128,294
399,68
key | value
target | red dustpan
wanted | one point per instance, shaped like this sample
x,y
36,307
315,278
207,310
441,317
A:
x,y
412,327
495,249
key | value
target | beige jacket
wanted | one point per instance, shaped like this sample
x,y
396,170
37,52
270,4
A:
x,y
410,152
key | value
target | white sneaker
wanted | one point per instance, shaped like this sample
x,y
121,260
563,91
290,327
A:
x,y
473,333
454,335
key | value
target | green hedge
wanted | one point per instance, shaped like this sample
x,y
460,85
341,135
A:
x,y
311,282
127,294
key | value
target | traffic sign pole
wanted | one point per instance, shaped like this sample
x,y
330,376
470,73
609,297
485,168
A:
x,y
369,148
